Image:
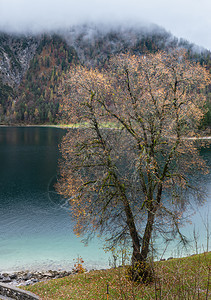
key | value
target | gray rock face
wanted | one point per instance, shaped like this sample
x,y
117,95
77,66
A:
x,y
16,53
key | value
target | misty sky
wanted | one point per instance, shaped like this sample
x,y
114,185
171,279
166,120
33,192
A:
x,y
189,19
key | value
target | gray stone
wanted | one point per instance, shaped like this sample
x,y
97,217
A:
x,y
27,276
13,276
29,282
6,280
48,274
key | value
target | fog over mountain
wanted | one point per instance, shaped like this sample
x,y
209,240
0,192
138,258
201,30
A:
x,y
40,41
189,19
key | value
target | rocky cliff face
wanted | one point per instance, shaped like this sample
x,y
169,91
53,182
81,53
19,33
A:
x,y
16,53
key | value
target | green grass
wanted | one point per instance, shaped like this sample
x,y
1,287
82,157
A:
x,y
185,278
111,125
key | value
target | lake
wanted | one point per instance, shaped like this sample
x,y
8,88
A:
x,y
36,230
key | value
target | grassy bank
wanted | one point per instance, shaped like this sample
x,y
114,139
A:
x,y
110,125
185,278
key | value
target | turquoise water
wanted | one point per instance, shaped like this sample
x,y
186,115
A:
x,y
36,230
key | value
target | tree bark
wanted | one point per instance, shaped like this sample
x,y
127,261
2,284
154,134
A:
x,y
147,236
136,256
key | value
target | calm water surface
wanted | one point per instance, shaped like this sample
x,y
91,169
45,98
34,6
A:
x,y
35,228
36,231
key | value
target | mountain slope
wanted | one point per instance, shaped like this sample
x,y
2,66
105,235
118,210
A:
x,y
37,99
31,67
16,53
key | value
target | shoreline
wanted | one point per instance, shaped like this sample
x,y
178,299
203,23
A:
x,y
24,278
38,125
73,126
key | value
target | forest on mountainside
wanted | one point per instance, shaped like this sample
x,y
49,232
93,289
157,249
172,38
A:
x,y
32,67
37,97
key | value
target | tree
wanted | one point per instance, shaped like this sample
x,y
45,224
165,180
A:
x,y
133,177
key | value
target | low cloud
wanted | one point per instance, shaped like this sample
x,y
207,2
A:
x,y
189,19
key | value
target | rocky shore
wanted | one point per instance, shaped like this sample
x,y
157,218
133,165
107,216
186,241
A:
x,y
28,278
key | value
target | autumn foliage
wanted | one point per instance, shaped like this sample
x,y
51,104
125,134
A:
x,y
134,177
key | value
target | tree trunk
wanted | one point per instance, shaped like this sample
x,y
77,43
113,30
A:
x,y
136,256
147,236
141,270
